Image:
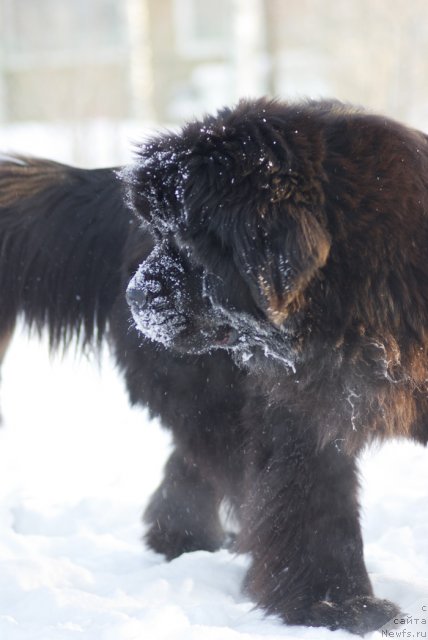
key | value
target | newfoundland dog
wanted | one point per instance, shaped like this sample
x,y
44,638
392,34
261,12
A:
x,y
280,300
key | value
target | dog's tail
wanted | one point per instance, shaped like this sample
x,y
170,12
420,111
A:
x,y
62,237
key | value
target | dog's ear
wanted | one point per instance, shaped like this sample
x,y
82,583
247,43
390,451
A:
x,y
278,258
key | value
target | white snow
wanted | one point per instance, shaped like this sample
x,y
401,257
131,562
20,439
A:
x,y
77,466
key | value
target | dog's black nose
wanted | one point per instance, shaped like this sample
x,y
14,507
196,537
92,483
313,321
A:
x,y
136,296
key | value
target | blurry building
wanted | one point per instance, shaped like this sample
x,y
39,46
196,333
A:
x,y
65,59
164,61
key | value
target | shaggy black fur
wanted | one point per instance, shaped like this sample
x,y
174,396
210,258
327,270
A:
x,y
62,236
296,237
283,292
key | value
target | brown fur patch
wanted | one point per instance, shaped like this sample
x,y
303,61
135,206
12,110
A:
x,y
276,305
399,409
313,240
24,178
279,307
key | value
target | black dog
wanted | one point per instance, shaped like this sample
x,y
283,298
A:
x,y
296,237
283,289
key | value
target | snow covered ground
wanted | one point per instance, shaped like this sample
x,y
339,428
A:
x,y
76,468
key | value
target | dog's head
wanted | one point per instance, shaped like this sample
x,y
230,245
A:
x,y
236,207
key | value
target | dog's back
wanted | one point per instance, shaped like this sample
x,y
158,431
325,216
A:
x,y
62,236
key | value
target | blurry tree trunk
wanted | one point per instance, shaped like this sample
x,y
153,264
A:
x,y
141,82
250,59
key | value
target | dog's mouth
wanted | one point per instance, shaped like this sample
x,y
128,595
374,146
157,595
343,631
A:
x,y
225,336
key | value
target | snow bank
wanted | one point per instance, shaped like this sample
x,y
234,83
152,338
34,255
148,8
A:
x,y
76,468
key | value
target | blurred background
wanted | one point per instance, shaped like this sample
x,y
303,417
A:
x,y
81,79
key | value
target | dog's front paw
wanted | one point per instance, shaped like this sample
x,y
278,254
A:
x,y
359,614
173,543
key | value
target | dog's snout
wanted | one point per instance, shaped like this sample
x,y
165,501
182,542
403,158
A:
x,y
143,291
137,295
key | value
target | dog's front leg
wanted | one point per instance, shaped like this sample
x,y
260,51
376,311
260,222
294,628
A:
x,y
183,512
301,526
